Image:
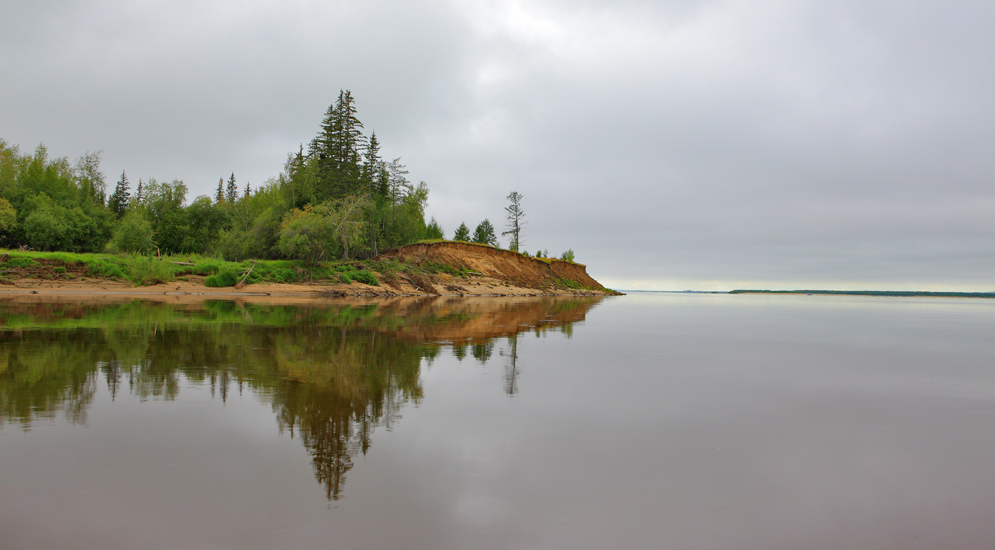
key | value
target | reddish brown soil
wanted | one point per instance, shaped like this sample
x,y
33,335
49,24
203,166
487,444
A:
x,y
502,265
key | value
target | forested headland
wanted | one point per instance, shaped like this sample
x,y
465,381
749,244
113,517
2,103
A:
x,y
335,198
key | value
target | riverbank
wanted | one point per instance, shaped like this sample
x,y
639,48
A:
x,y
435,269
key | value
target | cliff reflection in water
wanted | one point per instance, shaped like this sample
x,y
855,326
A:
x,y
333,372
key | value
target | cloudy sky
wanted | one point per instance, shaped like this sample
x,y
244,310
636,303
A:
x,y
686,144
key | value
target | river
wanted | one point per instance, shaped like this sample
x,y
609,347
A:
x,y
690,421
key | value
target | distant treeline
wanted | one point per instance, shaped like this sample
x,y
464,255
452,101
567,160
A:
x,y
900,293
334,198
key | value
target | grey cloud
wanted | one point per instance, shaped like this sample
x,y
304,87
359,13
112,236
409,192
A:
x,y
680,144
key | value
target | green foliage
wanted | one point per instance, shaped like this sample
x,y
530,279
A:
x,y
52,204
307,235
59,270
8,216
145,270
106,269
133,234
484,233
51,226
162,204
204,225
337,150
569,283
462,233
21,263
208,267
568,255
365,277
121,197
441,268
231,191
284,276
315,231
223,278
434,231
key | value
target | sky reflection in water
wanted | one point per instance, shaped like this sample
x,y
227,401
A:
x,y
691,421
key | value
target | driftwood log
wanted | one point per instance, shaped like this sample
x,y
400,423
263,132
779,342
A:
x,y
241,284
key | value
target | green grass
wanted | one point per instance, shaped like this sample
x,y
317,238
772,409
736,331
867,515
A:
x,y
21,263
149,270
223,278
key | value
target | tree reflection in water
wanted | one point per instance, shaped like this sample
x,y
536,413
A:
x,y
333,372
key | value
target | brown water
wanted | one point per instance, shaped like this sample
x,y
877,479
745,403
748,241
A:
x,y
648,421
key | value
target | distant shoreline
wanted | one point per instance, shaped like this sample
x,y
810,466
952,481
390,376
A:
x,y
892,293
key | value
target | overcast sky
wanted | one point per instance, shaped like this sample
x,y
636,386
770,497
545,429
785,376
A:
x,y
673,145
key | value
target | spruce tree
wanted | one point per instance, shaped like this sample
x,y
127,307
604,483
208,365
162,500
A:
x,y
231,193
248,189
484,233
372,168
118,202
371,165
462,233
220,195
434,231
337,148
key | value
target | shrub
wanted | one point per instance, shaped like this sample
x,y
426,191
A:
x,y
209,267
569,283
287,276
365,277
59,269
144,270
568,255
134,234
441,268
223,278
391,278
21,262
106,269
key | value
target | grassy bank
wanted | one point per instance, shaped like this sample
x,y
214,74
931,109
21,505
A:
x,y
419,274
148,270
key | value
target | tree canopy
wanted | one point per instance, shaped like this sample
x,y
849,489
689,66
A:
x,y
339,195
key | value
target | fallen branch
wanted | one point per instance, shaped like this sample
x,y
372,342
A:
x,y
241,283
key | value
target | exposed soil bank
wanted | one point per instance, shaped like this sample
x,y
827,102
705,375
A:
x,y
486,272
507,268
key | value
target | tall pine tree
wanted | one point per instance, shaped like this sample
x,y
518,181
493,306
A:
x,y
337,148
231,193
118,201
220,195
462,233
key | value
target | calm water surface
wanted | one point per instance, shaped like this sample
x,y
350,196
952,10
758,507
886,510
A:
x,y
647,421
